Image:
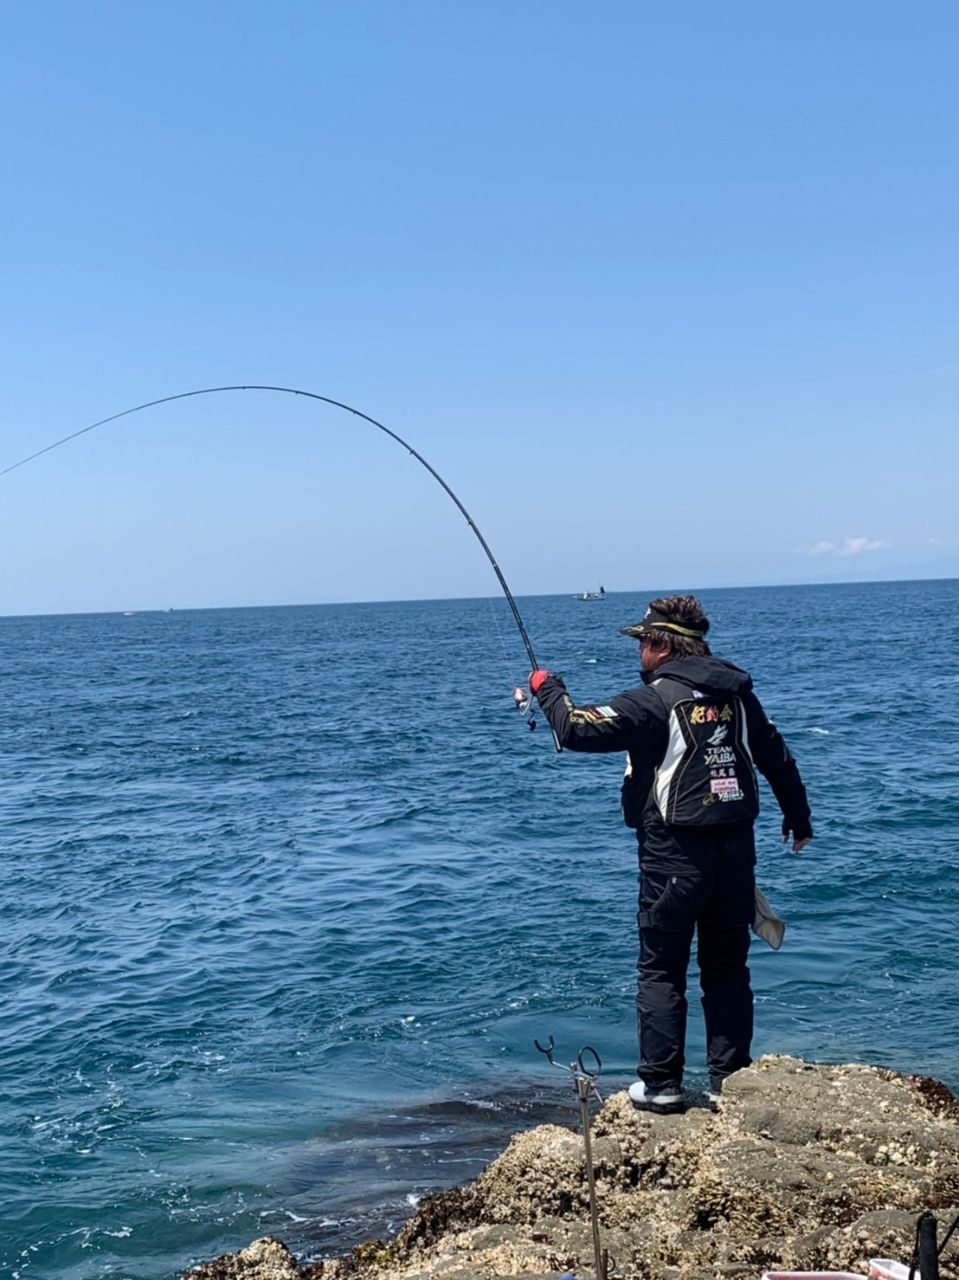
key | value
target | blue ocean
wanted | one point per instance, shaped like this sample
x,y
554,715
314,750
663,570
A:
x,y
289,892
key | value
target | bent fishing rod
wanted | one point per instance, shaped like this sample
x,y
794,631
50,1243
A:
x,y
337,404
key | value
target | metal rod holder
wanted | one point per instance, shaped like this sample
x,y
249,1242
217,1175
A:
x,y
584,1082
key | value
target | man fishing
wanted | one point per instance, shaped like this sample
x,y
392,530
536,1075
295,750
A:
x,y
695,732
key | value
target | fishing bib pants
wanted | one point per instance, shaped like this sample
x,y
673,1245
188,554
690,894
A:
x,y
704,888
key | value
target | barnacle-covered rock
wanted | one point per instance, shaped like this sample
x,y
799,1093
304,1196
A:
x,y
800,1167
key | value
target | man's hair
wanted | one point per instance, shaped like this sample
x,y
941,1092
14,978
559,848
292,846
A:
x,y
687,612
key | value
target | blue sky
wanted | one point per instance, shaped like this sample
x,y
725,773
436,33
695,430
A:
x,y
666,292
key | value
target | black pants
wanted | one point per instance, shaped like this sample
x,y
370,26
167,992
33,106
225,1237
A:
x,y
705,886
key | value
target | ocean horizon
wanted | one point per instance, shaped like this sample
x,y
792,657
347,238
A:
x,y
611,593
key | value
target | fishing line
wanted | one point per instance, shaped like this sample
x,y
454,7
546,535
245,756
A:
x,y
522,700
337,404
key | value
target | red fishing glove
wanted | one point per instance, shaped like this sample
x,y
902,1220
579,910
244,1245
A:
x,y
536,679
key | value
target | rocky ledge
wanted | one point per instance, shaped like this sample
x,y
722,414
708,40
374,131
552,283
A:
x,y
800,1167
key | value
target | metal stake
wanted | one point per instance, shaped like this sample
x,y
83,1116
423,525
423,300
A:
x,y
584,1081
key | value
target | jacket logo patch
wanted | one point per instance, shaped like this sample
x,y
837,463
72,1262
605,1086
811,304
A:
x,y
726,788
710,714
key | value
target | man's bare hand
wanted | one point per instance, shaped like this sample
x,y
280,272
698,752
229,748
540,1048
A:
x,y
798,845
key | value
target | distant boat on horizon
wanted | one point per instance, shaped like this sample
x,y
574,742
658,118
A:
x,y
592,595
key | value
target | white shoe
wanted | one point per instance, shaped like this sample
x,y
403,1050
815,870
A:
x,y
668,1098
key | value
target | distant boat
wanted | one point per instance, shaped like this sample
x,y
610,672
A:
x,y
593,595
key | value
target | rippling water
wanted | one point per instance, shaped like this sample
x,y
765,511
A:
x,y
288,893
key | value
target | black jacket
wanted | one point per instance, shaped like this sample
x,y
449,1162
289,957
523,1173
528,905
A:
x,y
636,721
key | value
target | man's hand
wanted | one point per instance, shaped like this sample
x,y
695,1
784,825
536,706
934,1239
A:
x,y
799,841
536,679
